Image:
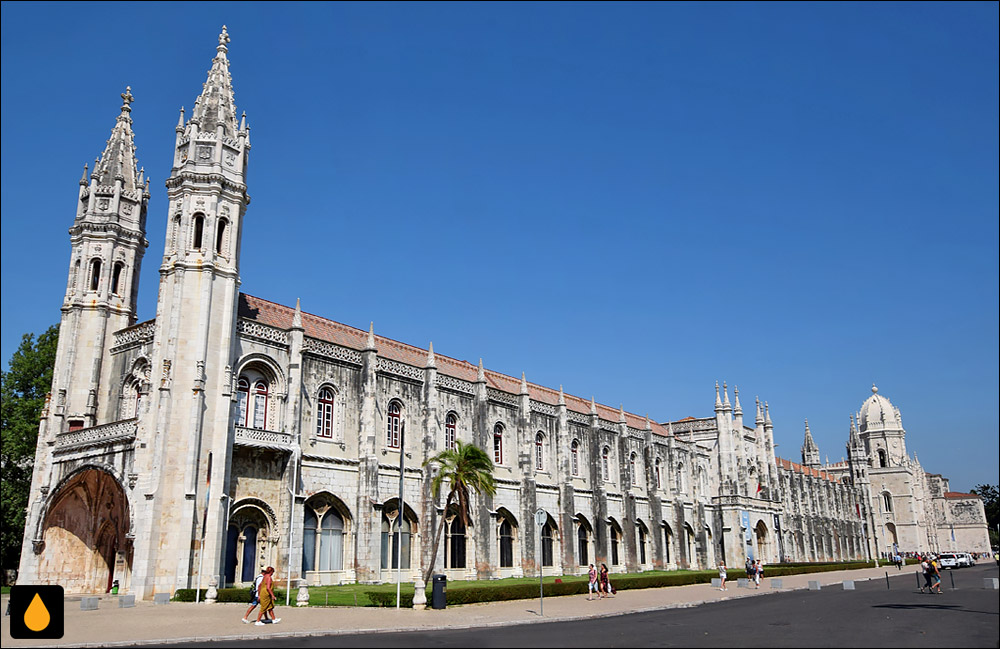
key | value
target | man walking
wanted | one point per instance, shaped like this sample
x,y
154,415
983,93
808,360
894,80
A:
x,y
254,596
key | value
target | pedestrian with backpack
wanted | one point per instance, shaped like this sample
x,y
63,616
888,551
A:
x,y
254,596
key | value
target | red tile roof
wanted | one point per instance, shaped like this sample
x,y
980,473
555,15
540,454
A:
x,y
805,470
280,316
959,494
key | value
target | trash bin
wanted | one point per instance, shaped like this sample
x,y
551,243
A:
x,y
438,593
114,587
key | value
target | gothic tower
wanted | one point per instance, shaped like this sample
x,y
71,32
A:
x,y
188,449
880,427
810,452
108,239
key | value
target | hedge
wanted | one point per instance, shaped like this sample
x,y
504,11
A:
x,y
241,595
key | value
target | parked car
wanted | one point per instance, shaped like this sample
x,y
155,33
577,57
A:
x,y
966,560
948,561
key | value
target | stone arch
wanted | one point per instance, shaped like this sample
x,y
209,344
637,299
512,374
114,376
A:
x,y
84,538
763,538
507,541
691,547
709,547
267,366
669,555
616,549
251,540
643,554
327,526
395,546
550,540
584,541
134,389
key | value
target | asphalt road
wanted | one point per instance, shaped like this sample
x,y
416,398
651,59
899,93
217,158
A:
x,y
870,616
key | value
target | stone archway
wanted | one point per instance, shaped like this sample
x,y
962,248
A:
x,y
763,542
250,543
85,535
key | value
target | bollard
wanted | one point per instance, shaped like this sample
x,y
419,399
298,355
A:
x,y
952,575
917,575
161,598
776,583
742,582
717,583
88,603
814,585
126,601
887,580
991,583
848,584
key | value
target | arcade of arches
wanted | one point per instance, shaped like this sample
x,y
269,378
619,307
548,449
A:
x,y
85,544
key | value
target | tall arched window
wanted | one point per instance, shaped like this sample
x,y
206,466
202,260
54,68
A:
x,y
642,543
547,544
506,544
657,472
260,405
450,425
667,540
324,413
242,401
199,229
394,422
605,464
539,451
632,477
95,274
616,538
574,455
138,399
220,236
882,458
582,541
310,527
454,545
498,444
887,501
323,540
395,547
116,277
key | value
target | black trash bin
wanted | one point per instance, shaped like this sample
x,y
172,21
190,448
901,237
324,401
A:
x,y
438,593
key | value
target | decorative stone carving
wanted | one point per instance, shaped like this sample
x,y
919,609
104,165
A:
x,y
399,369
271,439
212,593
262,332
544,408
204,153
105,435
501,397
329,350
456,385
135,335
302,597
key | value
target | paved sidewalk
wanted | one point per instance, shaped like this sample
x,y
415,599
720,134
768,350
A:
x,y
146,623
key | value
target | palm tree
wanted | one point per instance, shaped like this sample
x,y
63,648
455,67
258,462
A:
x,y
464,468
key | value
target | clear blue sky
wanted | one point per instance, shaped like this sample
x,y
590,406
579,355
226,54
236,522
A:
x,y
631,200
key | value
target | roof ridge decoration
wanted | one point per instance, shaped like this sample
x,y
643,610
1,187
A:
x,y
118,161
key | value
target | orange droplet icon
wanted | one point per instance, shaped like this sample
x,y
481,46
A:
x,y
37,616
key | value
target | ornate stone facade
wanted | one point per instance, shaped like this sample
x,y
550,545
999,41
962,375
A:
x,y
232,433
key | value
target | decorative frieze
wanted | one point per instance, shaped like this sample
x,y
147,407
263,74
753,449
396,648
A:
x,y
456,385
135,335
262,332
543,408
387,366
329,350
118,432
578,417
501,397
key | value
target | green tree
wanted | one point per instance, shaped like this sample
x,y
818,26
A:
x,y
990,493
466,468
22,396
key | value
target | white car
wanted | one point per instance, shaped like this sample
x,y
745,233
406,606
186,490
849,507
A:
x,y
965,560
949,561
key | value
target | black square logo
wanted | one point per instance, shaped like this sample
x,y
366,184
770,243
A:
x,y
36,612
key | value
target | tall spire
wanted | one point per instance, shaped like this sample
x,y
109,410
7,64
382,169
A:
x,y
216,103
297,318
759,418
718,401
370,344
431,360
562,396
621,414
737,409
118,158
481,373
767,415
593,406
810,452
524,385
725,392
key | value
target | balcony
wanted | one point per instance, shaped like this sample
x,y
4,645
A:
x,y
118,432
265,439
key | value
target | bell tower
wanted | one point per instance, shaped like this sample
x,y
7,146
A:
x,y
189,447
108,239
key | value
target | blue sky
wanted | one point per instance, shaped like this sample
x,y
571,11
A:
x,y
630,200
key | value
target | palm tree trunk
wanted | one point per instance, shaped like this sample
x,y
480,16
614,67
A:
x,y
437,541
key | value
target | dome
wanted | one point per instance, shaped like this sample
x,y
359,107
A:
x,y
878,413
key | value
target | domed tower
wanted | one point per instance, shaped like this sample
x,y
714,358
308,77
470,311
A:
x,y
880,428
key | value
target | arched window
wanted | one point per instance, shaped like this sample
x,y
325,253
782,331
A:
x,y
667,540
323,540
324,413
116,277
249,553
393,546
539,451
882,458
887,501
582,542
138,399
199,229
260,405
547,544
76,274
681,482
242,401
616,538
394,422
310,527
574,455
175,234
454,544
450,424
220,236
632,477
498,444
95,274
605,465
642,543
657,472
506,544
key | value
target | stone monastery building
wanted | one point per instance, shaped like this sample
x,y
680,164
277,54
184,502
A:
x,y
231,433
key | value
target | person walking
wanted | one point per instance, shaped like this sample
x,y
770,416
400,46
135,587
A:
x,y
936,576
758,572
592,584
605,585
267,599
749,567
925,568
254,596
722,576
